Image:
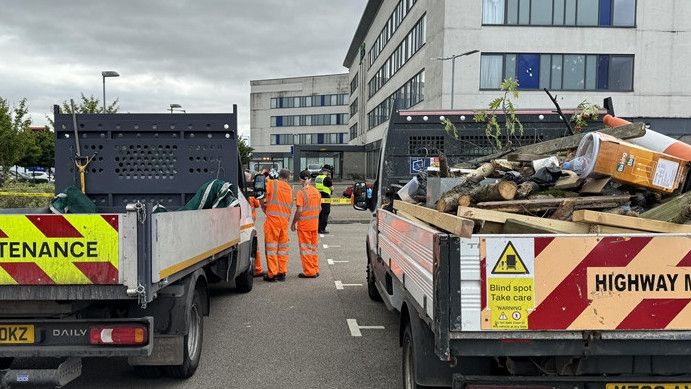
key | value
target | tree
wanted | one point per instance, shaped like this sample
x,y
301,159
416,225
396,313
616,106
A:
x,y
90,104
15,135
40,149
245,151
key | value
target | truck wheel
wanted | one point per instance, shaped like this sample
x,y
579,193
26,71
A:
x,y
408,360
245,281
5,363
371,286
193,341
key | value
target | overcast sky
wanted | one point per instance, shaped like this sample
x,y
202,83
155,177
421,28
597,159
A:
x,y
199,54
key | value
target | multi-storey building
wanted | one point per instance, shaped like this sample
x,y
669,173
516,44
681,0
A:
x,y
297,113
632,50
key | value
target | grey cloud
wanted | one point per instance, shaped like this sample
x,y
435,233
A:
x,y
200,54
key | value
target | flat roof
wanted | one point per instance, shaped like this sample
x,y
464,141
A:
x,y
298,77
366,20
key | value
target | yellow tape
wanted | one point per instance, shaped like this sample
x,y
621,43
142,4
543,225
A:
x,y
336,200
19,194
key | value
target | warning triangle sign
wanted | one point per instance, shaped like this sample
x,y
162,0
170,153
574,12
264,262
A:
x,y
510,262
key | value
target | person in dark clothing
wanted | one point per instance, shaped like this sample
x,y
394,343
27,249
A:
x,y
324,185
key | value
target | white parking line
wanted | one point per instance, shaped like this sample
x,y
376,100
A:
x,y
326,246
331,261
321,235
340,285
355,328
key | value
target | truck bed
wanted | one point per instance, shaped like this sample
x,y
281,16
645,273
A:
x,y
558,291
108,256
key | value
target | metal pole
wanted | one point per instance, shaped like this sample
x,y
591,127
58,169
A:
x,y
453,77
104,94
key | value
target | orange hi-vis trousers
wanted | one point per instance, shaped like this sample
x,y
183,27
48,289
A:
x,y
309,255
277,247
258,262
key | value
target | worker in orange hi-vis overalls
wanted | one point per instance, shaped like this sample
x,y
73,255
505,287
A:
x,y
258,271
306,219
277,204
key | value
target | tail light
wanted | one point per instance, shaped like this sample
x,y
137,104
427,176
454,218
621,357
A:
x,y
119,335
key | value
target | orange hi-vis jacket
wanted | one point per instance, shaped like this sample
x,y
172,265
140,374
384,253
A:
x,y
278,201
309,200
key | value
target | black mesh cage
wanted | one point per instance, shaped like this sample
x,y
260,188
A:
x,y
153,158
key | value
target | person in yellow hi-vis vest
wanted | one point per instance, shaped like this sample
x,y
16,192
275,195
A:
x,y
324,185
306,222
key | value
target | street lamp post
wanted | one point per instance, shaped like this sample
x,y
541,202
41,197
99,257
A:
x,y
453,68
104,74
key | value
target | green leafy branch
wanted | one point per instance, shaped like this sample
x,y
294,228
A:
x,y
585,112
493,129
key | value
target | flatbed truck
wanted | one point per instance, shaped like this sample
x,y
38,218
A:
x,y
124,281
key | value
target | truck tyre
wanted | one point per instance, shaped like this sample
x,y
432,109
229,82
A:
x,y
5,363
408,360
371,280
193,341
245,281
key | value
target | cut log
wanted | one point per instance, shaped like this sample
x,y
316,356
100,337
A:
x,y
456,225
527,171
464,201
448,202
565,209
538,205
502,190
634,130
556,225
525,189
673,211
513,226
504,164
485,170
635,223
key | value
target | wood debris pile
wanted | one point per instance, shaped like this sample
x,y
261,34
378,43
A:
x,y
532,190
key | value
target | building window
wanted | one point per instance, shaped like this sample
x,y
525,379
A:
x,y
310,101
281,139
319,138
559,71
391,25
585,13
410,45
353,108
353,83
410,94
353,131
310,120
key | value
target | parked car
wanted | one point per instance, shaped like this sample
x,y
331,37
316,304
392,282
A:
x,y
22,174
314,169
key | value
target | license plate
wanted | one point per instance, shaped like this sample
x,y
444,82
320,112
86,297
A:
x,y
16,334
680,385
